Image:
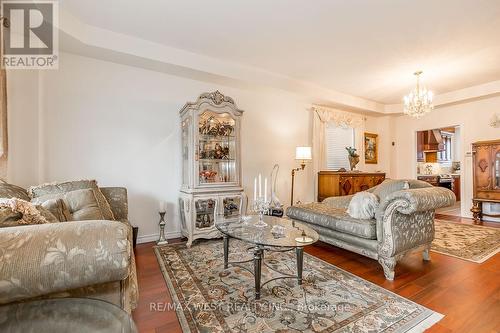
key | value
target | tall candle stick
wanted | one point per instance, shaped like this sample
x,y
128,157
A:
x,y
255,189
260,185
265,189
162,206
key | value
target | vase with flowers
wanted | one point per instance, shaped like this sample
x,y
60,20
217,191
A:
x,y
353,157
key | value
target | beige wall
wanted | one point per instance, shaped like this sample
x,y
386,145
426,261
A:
x,y
23,110
473,118
120,125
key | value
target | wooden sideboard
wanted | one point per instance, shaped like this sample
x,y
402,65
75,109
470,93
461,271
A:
x,y
334,183
486,176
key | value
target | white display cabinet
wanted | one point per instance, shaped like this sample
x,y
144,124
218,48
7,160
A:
x,y
211,166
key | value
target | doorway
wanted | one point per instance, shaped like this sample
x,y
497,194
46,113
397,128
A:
x,y
439,162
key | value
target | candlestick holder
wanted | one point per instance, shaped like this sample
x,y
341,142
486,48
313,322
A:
x,y
261,206
162,240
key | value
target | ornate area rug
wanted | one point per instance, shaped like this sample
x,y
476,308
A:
x,y
466,241
208,298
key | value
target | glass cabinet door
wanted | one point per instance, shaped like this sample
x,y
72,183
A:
x,y
231,207
205,213
216,148
185,126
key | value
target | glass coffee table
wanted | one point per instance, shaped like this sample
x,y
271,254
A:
x,y
280,235
58,315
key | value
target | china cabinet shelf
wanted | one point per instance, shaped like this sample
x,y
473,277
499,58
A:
x,y
217,160
211,167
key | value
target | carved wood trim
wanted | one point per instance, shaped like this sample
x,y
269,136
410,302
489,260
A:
x,y
483,165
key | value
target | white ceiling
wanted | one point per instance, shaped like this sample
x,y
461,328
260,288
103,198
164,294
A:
x,y
363,48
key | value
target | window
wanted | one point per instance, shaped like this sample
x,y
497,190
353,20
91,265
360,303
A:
x,y
337,138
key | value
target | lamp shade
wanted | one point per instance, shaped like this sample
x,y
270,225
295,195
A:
x,y
303,153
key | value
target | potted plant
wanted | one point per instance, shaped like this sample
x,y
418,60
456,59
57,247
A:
x,y
353,157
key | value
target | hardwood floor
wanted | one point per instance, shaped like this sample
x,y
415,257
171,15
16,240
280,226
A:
x,y
468,294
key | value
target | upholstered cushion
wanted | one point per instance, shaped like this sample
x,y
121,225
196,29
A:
x,y
389,186
58,188
47,214
13,191
333,218
82,204
59,209
363,205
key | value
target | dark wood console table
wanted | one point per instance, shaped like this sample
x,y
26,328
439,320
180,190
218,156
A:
x,y
335,183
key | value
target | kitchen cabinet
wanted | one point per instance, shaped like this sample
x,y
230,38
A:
x,y
431,179
335,183
456,186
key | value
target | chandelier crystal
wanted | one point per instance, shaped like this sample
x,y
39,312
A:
x,y
419,101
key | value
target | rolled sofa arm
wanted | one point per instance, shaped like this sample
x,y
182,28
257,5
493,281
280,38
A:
x,y
338,202
41,259
420,199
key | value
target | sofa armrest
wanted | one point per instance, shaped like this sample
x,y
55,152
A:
x,y
419,199
338,202
118,200
41,259
405,219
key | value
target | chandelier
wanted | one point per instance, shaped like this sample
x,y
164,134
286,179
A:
x,y
419,101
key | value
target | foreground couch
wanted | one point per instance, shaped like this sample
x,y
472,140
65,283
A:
x,y
92,258
404,221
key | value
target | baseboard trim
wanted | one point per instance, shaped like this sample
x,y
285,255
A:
x,y
154,237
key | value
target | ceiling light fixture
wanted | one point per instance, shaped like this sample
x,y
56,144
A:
x,y
419,101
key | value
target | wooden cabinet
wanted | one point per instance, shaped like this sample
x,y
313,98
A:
x,y
433,180
456,186
334,183
486,175
420,146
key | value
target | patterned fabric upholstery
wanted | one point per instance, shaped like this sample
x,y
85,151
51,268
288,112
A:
x,y
404,221
72,259
335,219
64,187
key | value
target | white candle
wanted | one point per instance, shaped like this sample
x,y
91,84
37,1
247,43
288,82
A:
x,y
255,189
260,186
265,189
162,206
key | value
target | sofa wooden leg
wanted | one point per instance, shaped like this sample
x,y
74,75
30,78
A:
x,y
427,253
388,264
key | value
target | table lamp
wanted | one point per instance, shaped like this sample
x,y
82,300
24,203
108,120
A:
x,y
302,154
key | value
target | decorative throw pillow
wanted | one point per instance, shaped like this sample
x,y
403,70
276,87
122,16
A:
x,y
30,214
389,186
363,205
58,188
8,218
82,204
58,208
12,191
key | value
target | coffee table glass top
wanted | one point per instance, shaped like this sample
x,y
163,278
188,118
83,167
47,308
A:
x,y
269,236
58,315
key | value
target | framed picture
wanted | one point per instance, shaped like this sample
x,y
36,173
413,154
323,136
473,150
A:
x,y
371,148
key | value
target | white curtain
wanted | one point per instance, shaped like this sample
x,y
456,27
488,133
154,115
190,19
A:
x,y
323,116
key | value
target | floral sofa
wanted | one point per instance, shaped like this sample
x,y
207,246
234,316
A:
x,y
404,221
84,258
